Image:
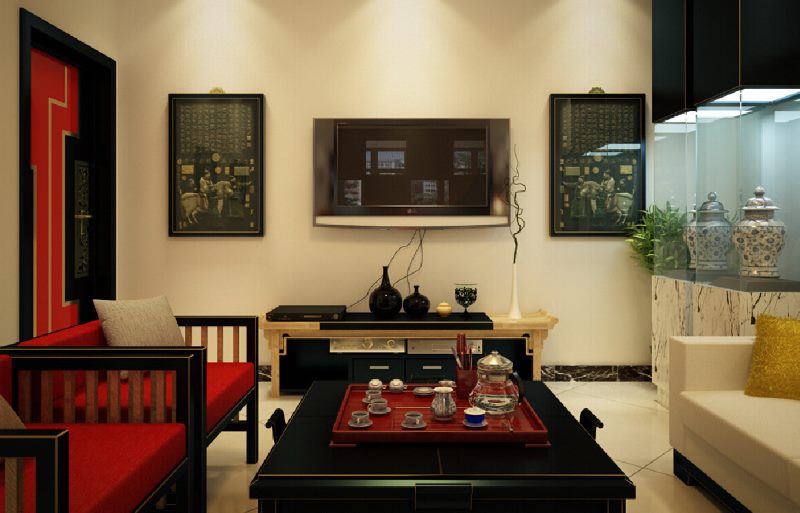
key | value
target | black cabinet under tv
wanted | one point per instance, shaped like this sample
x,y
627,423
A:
x,y
307,360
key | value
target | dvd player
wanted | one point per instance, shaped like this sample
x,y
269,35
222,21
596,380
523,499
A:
x,y
292,313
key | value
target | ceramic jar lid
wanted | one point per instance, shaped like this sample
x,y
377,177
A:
x,y
759,201
711,206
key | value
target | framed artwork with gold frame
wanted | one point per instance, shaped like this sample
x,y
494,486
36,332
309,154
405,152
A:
x,y
597,163
216,165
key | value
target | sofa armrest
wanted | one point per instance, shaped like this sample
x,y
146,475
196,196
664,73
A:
x,y
708,363
50,449
248,323
703,363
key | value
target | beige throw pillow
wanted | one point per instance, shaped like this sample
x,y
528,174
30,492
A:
x,y
139,322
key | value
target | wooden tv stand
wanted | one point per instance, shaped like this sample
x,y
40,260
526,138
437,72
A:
x,y
532,329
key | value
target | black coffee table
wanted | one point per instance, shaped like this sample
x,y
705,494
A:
x,y
303,474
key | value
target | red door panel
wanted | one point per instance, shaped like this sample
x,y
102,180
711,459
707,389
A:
x,y
54,116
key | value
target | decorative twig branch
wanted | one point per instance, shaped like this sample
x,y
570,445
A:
x,y
515,188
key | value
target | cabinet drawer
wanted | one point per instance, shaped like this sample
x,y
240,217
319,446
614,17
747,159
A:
x,y
364,369
429,370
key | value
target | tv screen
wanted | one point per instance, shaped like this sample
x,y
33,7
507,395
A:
x,y
413,173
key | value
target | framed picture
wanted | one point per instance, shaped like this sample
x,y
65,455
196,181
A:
x,y
597,160
216,165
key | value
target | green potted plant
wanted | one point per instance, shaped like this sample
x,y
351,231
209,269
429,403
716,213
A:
x,y
657,241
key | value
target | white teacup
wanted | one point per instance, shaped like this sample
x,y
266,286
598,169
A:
x,y
379,405
396,385
359,417
412,418
373,395
375,384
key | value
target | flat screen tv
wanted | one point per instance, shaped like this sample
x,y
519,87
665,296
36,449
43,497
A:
x,y
431,173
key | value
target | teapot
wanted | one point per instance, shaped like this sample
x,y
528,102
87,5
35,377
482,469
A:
x,y
498,388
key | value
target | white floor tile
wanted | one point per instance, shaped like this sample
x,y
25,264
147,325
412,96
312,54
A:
x,y
637,393
662,464
632,434
627,468
562,386
660,493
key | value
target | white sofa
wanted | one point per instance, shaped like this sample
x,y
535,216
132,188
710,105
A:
x,y
748,446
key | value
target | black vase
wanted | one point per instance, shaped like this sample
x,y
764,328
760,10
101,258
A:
x,y
416,305
385,301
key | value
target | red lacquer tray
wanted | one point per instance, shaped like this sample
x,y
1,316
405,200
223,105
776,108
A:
x,y
522,427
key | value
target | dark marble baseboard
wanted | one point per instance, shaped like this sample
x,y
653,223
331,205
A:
x,y
560,373
596,373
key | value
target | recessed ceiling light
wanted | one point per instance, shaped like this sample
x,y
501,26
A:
x,y
720,113
685,117
757,95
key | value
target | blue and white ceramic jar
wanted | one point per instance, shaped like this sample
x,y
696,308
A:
x,y
713,235
759,237
690,238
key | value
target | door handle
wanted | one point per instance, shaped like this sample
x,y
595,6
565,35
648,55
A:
x,y
83,218
431,367
378,367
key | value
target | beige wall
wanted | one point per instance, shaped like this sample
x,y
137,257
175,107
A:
x,y
91,21
370,58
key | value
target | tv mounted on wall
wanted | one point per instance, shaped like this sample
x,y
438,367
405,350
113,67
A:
x,y
431,173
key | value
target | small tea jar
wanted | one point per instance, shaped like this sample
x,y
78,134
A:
x,y
759,237
443,405
713,235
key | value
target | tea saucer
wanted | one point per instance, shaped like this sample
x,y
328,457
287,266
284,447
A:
x,y
384,412
476,426
366,400
421,425
363,425
423,391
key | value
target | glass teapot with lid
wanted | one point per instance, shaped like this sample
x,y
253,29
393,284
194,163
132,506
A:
x,y
498,387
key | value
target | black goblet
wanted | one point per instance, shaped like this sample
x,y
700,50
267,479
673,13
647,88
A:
x,y
466,294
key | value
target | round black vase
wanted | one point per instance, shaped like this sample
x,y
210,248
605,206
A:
x,y
385,301
416,305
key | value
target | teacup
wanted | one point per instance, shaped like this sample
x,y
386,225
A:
x,y
396,385
413,418
447,383
375,384
359,417
475,415
379,405
372,395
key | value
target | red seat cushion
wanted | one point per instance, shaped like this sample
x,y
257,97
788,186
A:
x,y
112,467
226,384
5,377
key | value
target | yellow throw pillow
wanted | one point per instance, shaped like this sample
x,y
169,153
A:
x,y
775,365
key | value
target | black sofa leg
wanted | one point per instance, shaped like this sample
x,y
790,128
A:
x,y
691,475
252,428
680,470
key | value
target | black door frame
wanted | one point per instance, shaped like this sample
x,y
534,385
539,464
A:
x,y
98,72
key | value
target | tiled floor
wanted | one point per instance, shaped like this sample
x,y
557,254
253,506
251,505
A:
x,y
636,436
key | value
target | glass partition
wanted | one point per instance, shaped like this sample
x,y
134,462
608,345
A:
x,y
736,162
